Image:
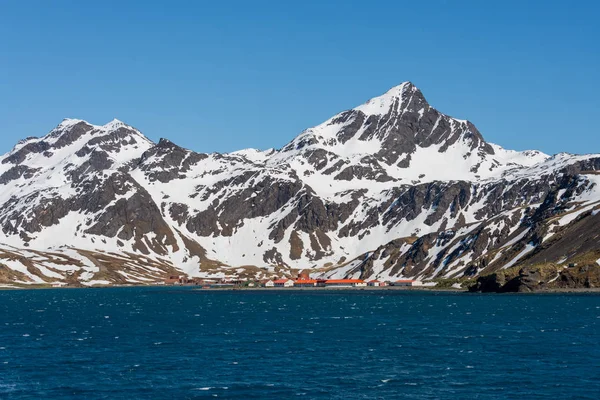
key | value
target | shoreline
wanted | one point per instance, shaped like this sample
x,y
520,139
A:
x,y
199,287
5,287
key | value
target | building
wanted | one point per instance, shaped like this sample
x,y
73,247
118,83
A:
x,y
173,280
267,283
305,282
182,280
286,283
222,285
404,282
376,283
345,283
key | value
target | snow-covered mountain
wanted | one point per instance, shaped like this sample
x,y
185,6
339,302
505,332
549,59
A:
x,y
391,188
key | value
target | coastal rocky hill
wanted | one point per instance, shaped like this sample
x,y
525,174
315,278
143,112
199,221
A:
x,y
390,189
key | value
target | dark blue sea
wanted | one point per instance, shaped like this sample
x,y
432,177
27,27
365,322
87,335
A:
x,y
165,343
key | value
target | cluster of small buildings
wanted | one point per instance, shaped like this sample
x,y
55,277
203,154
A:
x,y
183,280
302,281
340,283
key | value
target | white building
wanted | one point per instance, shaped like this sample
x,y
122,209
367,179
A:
x,y
286,283
410,283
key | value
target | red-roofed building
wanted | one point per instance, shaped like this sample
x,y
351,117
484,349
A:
x,y
305,282
345,282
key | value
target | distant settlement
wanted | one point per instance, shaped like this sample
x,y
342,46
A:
x,y
300,282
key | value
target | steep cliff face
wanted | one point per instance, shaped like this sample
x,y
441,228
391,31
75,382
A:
x,y
392,188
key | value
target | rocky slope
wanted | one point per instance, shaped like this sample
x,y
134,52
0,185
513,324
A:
x,y
539,278
392,188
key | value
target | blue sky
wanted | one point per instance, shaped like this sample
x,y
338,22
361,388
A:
x,y
221,76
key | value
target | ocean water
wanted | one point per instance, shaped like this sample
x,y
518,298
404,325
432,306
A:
x,y
178,343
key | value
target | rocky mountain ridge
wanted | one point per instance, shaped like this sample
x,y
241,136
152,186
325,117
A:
x,y
389,189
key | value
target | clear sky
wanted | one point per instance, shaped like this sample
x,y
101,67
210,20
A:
x,y
226,75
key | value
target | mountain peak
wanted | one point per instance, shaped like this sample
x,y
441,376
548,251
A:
x,y
114,124
403,136
164,143
68,122
71,129
395,96
68,127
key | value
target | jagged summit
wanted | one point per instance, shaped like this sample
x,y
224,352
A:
x,y
72,130
68,124
71,141
399,137
165,143
401,115
394,97
115,124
